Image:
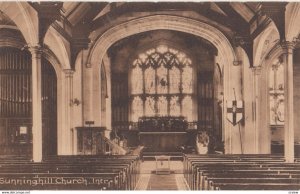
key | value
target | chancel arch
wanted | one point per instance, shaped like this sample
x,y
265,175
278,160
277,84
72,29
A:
x,y
119,92
162,77
226,53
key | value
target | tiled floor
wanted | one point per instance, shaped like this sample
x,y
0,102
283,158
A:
x,y
148,166
149,180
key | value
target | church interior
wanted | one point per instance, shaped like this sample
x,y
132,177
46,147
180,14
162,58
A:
x,y
149,95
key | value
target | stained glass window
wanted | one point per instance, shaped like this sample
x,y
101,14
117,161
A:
x,y
174,80
162,80
137,108
187,107
162,83
150,106
276,93
162,106
149,80
137,80
187,80
174,106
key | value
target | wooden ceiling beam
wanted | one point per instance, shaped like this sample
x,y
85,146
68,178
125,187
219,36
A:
x,y
240,25
48,12
276,11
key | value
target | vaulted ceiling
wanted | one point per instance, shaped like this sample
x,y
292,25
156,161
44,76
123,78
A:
x,y
77,22
238,17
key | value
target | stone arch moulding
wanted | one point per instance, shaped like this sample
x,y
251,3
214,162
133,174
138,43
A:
x,y
226,52
54,61
58,46
25,17
162,22
47,53
167,22
259,49
292,27
263,96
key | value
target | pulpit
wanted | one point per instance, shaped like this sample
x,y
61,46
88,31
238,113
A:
x,y
90,141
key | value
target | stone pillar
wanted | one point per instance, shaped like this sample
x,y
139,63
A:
x,y
234,134
256,94
37,136
108,122
87,98
67,138
288,102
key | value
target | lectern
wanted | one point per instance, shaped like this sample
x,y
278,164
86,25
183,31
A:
x,y
163,164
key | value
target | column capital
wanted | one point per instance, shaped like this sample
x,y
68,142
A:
x,y
256,70
69,72
288,46
36,50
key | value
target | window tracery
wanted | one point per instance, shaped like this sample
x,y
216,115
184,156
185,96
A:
x,y
161,83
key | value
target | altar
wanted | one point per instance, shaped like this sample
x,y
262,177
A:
x,y
162,134
163,141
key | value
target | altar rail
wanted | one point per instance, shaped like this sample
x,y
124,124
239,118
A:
x,y
134,126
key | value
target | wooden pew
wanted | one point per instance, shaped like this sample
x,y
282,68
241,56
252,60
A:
x,y
199,171
238,166
122,169
257,186
213,182
42,181
248,172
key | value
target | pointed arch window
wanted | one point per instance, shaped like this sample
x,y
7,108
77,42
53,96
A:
x,y
162,83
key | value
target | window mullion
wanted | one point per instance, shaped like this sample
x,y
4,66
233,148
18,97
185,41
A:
x,y
144,92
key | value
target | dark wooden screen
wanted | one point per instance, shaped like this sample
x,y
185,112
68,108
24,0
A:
x,y
49,108
104,93
16,102
119,101
205,101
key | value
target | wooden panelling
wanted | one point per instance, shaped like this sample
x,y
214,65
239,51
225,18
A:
x,y
119,99
205,101
16,103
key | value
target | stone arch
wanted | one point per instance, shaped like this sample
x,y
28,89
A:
x,y
176,23
226,52
259,55
25,17
55,62
292,23
47,53
263,101
57,44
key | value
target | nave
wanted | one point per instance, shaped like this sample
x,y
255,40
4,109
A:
x,y
130,172
93,93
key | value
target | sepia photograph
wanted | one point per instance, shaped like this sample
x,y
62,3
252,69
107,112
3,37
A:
x,y
144,95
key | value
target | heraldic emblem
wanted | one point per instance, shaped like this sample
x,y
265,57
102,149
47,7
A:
x,y
235,111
